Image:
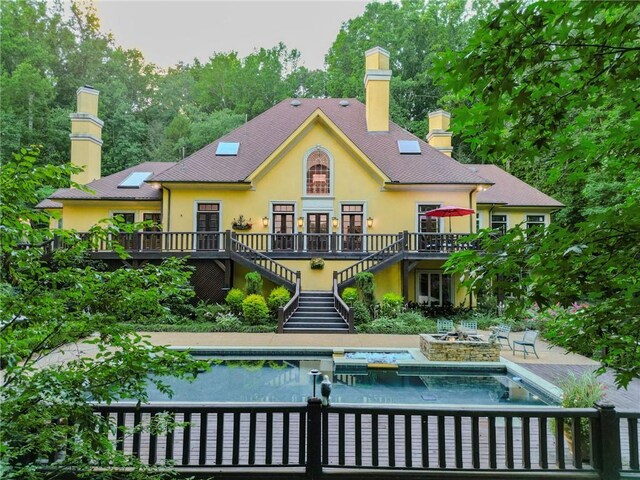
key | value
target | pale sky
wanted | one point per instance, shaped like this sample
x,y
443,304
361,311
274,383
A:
x,y
167,32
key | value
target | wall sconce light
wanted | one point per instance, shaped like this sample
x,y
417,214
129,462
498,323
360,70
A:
x,y
265,221
300,222
369,222
334,222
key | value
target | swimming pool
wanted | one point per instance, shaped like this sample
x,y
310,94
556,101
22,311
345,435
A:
x,y
239,379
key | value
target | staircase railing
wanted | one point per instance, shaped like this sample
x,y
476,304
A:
x,y
285,313
346,276
267,266
343,309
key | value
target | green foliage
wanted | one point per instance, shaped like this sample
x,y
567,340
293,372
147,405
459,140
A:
x,y
60,309
581,391
550,88
228,322
408,323
350,296
207,312
366,286
361,313
278,297
391,304
253,283
255,310
234,299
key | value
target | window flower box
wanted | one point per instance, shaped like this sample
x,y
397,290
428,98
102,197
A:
x,y
316,263
241,223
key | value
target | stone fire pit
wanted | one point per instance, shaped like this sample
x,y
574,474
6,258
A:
x,y
448,347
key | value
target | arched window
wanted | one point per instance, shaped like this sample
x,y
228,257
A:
x,y
318,173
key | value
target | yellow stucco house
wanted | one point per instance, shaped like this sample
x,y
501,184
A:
x,y
309,178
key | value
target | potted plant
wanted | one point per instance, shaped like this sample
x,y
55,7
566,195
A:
x,y
581,392
241,223
317,263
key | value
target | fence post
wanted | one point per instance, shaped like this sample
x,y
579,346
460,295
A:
x,y
227,240
609,439
280,320
314,438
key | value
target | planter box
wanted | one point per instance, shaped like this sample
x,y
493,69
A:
x,y
473,350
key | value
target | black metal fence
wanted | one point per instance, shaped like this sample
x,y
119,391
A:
x,y
357,441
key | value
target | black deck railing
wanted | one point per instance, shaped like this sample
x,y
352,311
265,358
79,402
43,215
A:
x,y
518,442
371,262
342,308
285,313
294,243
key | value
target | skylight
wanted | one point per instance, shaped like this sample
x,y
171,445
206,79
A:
x,y
135,180
409,147
227,148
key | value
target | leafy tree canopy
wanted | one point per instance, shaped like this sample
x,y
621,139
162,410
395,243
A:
x,y
550,89
63,344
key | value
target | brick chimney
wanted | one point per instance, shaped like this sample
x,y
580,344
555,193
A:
x,y
376,83
86,136
439,135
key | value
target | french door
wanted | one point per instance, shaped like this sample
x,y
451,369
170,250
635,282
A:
x,y
427,226
434,289
127,240
151,239
208,222
352,217
318,232
283,222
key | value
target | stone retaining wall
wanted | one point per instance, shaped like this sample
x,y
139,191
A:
x,y
464,351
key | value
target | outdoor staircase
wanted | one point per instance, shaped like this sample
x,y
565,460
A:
x,y
316,314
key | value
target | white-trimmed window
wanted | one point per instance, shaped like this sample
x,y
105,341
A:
x,y
434,288
318,173
534,221
499,222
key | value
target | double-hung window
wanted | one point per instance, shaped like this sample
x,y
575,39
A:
x,y
499,222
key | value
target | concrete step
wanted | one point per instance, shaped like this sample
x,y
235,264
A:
x,y
316,318
316,309
320,327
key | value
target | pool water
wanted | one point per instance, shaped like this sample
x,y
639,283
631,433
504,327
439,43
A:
x,y
288,380
380,357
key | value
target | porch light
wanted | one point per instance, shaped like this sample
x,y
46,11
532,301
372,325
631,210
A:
x,y
369,222
300,222
334,222
265,221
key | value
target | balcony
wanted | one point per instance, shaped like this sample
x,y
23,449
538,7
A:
x,y
277,246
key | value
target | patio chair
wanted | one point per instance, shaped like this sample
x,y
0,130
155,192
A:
x,y
470,327
502,332
444,326
528,340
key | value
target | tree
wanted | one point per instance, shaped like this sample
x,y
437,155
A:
x,y
64,303
550,89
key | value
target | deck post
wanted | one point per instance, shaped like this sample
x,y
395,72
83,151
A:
x,y
280,320
314,438
227,240
609,440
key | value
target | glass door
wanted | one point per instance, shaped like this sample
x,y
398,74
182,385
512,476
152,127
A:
x,y
128,240
151,240
352,216
208,222
283,233
434,289
426,227
318,232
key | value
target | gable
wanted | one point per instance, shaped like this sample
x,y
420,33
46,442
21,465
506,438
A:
x,y
318,130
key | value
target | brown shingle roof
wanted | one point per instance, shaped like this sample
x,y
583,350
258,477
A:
x,y
260,137
106,188
510,190
48,204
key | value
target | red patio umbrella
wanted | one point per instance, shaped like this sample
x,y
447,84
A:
x,y
450,211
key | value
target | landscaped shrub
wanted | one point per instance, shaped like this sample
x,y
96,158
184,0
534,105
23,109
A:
x,y
391,304
228,322
278,297
366,289
253,283
207,312
408,323
255,310
361,313
350,296
234,299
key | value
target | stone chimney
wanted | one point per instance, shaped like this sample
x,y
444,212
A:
x,y
376,84
86,136
439,135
